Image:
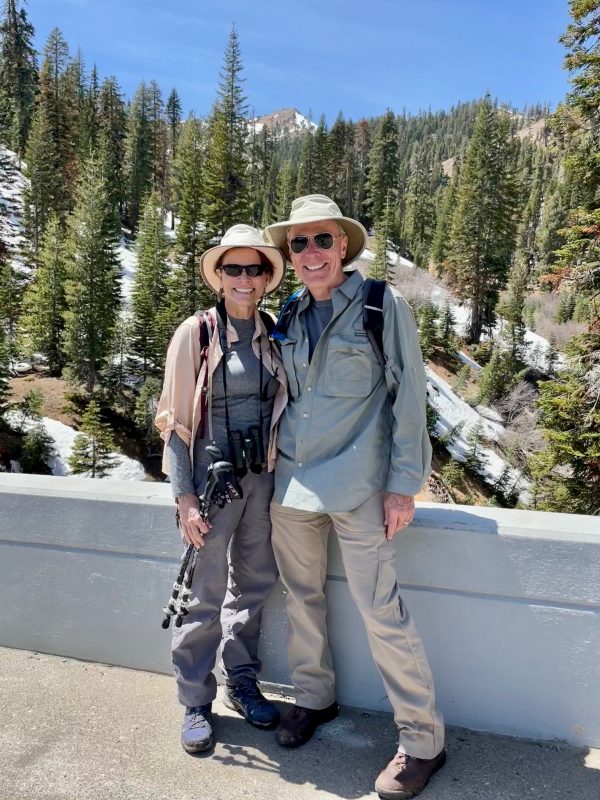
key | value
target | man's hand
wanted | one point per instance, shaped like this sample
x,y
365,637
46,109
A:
x,y
398,512
192,526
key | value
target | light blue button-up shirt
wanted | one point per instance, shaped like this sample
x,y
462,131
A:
x,y
351,428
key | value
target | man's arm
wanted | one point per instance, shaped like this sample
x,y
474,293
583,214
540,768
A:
x,y
410,459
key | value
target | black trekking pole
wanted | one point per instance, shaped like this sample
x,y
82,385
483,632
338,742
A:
x,y
220,488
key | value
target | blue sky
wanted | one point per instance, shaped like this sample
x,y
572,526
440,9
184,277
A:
x,y
323,56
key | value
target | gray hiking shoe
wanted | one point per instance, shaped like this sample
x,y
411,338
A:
x,y
196,729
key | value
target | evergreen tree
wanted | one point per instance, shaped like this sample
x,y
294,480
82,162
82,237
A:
x,y
475,457
226,191
320,159
29,409
381,268
462,379
112,121
447,334
419,217
139,156
483,224
383,166
18,76
513,309
361,148
145,411
37,451
44,303
58,95
499,376
173,114
44,193
305,179
92,287
149,293
12,282
286,182
439,247
428,329
188,292
92,449
4,376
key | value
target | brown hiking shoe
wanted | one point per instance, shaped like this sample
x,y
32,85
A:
x,y
405,776
300,723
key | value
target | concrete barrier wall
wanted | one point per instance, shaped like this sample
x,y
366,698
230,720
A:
x,y
507,602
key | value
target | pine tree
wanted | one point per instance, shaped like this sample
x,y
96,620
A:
x,y
361,148
93,448
383,166
18,76
173,114
483,224
4,376
37,451
188,293
305,178
419,216
58,95
226,189
286,182
447,334
475,458
513,309
320,159
428,329
139,156
44,193
12,283
29,409
44,304
381,267
439,247
112,120
145,411
92,287
148,297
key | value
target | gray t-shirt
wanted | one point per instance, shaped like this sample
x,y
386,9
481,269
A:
x,y
318,316
242,369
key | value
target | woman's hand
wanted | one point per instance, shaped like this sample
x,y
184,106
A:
x,y
192,526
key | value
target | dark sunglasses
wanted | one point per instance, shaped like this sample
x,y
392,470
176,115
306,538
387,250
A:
x,y
251,270
324,241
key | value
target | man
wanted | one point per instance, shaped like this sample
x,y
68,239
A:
x,y
353,451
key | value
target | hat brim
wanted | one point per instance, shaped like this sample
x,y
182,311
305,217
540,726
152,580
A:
x,y
210,258
356,233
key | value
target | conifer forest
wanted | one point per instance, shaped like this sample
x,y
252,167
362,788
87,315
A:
x,y
485,216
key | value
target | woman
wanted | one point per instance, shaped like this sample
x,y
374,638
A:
x,y
234,388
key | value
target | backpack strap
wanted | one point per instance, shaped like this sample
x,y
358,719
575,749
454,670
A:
x,y
207,324
373,315
268,322
288,310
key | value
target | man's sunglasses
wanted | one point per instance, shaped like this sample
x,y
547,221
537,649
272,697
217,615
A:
x,y
251,270
324,241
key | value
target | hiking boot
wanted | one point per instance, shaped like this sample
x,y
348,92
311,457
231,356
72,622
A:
x,y
405,776
300,723
247,699
196,729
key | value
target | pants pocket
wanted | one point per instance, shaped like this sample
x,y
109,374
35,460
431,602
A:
x,y
386,597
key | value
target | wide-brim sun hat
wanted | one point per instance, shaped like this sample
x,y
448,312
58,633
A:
x,y
319,208
241,236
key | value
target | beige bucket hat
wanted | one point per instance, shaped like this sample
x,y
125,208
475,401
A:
x,y
241,236
317,208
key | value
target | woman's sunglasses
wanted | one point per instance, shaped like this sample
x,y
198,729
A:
x,y
251,270
324,241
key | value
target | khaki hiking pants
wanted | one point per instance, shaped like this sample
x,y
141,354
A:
x,y
300,544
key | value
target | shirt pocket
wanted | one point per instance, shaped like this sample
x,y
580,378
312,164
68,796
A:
x,y
287,356
349,368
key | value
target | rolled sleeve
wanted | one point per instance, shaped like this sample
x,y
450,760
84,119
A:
x,y
176,404
410,458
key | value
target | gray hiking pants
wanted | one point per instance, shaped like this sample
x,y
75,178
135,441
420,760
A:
x,y
233,578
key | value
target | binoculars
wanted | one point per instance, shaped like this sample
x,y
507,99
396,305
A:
x,y
246,451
